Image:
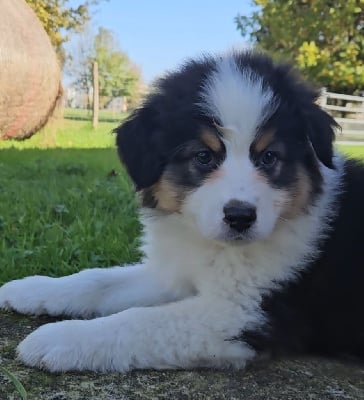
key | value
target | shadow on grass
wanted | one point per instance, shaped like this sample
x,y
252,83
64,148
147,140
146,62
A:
x,y
94,158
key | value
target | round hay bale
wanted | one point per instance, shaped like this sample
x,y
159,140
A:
x,y
30,74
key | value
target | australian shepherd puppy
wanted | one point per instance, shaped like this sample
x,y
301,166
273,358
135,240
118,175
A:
x,y
254,233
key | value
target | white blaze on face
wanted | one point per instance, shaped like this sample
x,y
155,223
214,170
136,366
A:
x,y
237,99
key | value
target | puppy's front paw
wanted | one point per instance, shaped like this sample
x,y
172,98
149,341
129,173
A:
x,y
72,345
31,295
54,347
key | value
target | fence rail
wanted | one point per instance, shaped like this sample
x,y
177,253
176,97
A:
x,y
348,112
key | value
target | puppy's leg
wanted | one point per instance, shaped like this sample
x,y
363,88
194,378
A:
x,y
194,332
92,292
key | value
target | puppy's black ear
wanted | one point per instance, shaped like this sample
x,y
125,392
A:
x,y
137,143
320,131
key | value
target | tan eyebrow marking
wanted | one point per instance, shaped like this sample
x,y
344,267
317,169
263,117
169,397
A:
x,y
224,132
263,140
211,140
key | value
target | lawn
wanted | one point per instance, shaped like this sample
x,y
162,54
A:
x,y
63,209
66,203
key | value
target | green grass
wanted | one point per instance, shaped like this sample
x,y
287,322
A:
x,y
14,380
356,151
64,209
66,202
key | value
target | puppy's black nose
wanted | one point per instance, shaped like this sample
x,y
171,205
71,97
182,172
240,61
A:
x,y
239,215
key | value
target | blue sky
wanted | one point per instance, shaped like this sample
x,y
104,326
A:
x,y
159,34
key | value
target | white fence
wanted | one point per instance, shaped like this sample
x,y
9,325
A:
x,y
347,110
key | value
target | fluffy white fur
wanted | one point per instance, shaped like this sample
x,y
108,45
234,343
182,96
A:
x,y
238,100
225,94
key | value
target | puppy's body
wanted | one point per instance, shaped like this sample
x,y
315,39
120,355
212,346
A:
x,y
321,311
253,233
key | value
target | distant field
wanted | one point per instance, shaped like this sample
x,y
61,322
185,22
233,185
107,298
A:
x,y
66,202
65,133
104,115
353,150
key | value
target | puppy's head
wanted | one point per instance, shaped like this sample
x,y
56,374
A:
x,y
234,144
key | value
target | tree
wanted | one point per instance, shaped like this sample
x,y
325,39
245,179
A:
x,y
118,76
58,19
79,62
324,38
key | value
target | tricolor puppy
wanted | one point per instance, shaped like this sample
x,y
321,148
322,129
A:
x,y
253,239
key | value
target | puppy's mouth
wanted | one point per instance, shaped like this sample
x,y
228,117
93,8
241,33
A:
x,y
230,235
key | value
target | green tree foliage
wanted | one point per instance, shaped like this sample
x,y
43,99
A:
x,y
59,19
324,38
118,76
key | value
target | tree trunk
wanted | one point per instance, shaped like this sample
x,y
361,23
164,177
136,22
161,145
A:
x,y
95,105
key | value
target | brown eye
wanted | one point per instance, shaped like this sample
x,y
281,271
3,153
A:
x,y
268,159
203,157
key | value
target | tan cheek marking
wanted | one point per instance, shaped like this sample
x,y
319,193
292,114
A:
x,y
263,141
211,140
299,196
260,177
169,196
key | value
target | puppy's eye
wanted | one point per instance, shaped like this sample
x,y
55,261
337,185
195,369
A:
x,y
268,159
203,157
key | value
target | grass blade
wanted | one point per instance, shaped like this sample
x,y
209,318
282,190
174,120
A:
x,y
19,387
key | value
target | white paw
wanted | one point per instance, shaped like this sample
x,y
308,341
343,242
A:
x,y
72,345
33,295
